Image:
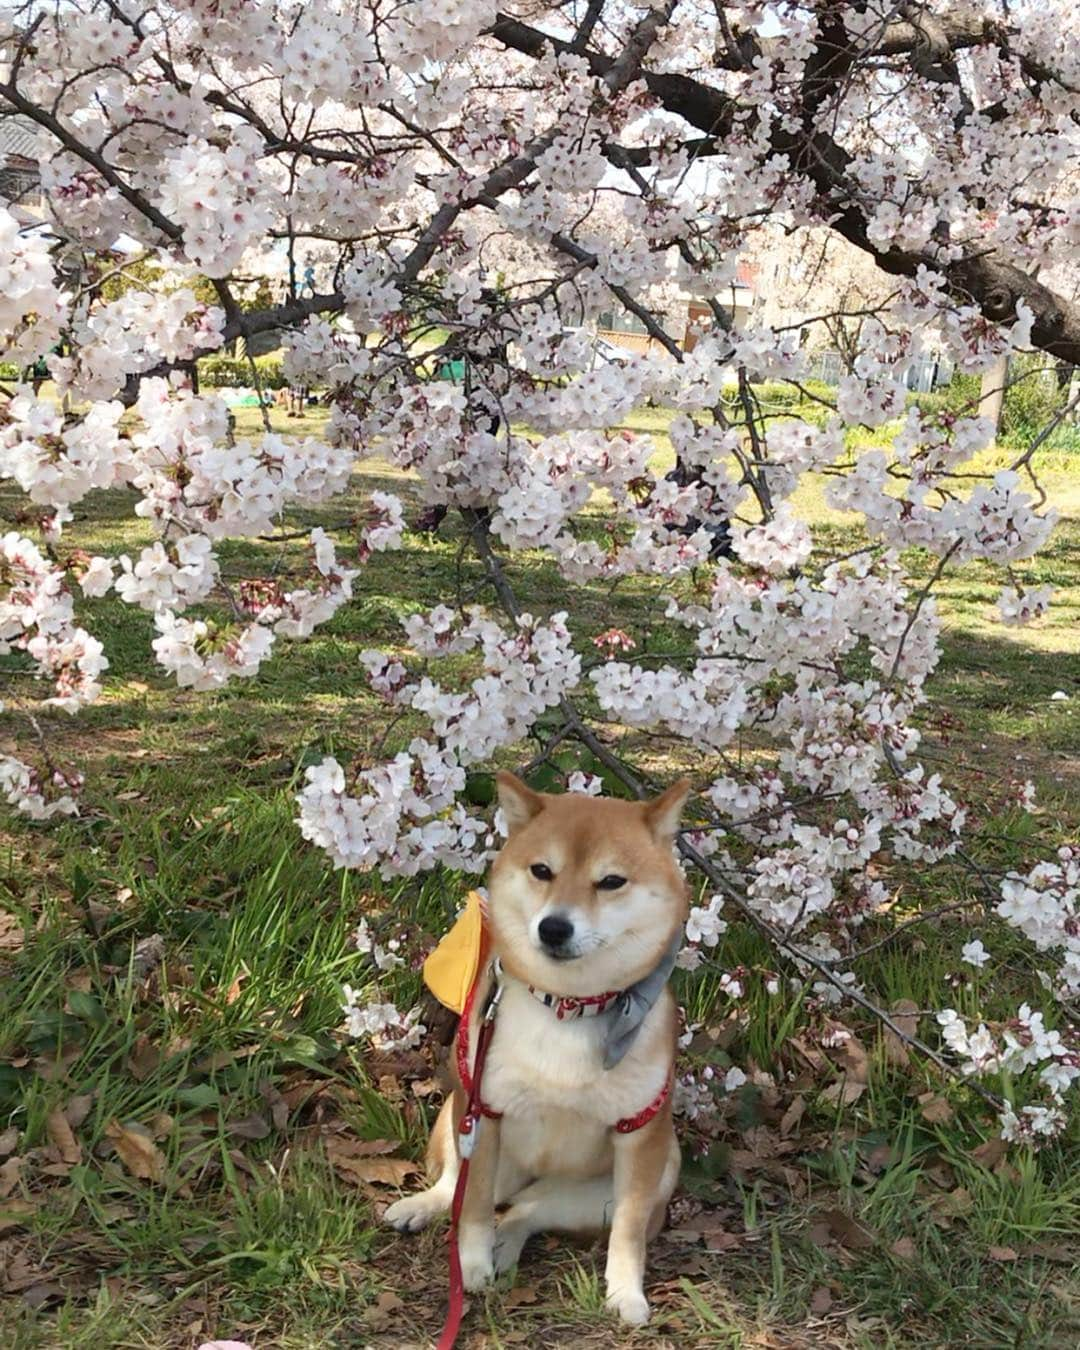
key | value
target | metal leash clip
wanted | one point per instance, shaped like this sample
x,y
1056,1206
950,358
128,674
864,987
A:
x,y
492,1005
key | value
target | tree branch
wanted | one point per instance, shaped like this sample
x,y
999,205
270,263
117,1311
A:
x,y
991,282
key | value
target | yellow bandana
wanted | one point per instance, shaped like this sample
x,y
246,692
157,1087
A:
x,y
450,970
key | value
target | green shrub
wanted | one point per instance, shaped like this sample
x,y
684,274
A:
x,y
1064,437
937,401
776,395
962,393
1032,399
222,372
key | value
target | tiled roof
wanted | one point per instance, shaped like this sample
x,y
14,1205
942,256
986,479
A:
x,y
18,138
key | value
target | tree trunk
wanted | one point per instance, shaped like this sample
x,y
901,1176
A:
x,y
992,392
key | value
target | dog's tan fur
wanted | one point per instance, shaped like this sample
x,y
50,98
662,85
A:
x,y
553,1157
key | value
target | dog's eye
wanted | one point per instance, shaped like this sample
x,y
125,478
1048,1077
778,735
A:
x,y
610,883
542,872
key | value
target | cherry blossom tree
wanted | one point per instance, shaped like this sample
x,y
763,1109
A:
x,y
500,178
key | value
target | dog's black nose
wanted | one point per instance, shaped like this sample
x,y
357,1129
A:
x,y
555,931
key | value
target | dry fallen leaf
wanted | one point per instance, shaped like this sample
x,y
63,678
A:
x,y
11,932
233,991
253,1126
844,1093
382,1309
345,1146
820,1301
1052,1251
9,1138
279,1107
40,1294
847,1231
15,1212
955,1205
63,1140
935,1110
145,1057
378,1171
77,1109
792,1116
136,1149
904,1248
990,1153
9,1176
161,1124
851,1055
906,1016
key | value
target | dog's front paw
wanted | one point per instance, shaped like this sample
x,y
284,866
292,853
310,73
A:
x,y
413,1213
476,1272
477,1260
630,1304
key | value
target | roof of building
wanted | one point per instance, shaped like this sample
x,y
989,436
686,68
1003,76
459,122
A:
x,y
19,138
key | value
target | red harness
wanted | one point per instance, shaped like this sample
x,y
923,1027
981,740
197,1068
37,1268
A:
x,y
627,1125
476,1109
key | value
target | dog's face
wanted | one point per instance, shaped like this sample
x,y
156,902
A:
x,y
585,896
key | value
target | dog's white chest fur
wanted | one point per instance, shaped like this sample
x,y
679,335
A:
x,y
547,1079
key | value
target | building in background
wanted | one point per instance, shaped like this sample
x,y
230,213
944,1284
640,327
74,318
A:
x,y
686,318
20,182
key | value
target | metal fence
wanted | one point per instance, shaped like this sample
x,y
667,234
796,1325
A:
x,y
924,374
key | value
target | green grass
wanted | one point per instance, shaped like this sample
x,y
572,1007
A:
x,y
221,1051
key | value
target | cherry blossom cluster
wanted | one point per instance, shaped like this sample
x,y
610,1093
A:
x,y
138,332
1044,904
37,616
404,816
381,1023
37,795
33,307
1028,1056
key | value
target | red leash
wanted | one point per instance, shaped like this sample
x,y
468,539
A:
x,y
467,1131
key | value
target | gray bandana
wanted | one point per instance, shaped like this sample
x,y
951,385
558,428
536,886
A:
x,y
634,1004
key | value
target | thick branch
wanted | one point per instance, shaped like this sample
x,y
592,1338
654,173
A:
x,y
989,281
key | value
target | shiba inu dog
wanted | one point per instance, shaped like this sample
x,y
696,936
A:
x,y
585,913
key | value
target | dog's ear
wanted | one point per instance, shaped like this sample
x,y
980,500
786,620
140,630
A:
x,y
663,812
518,801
